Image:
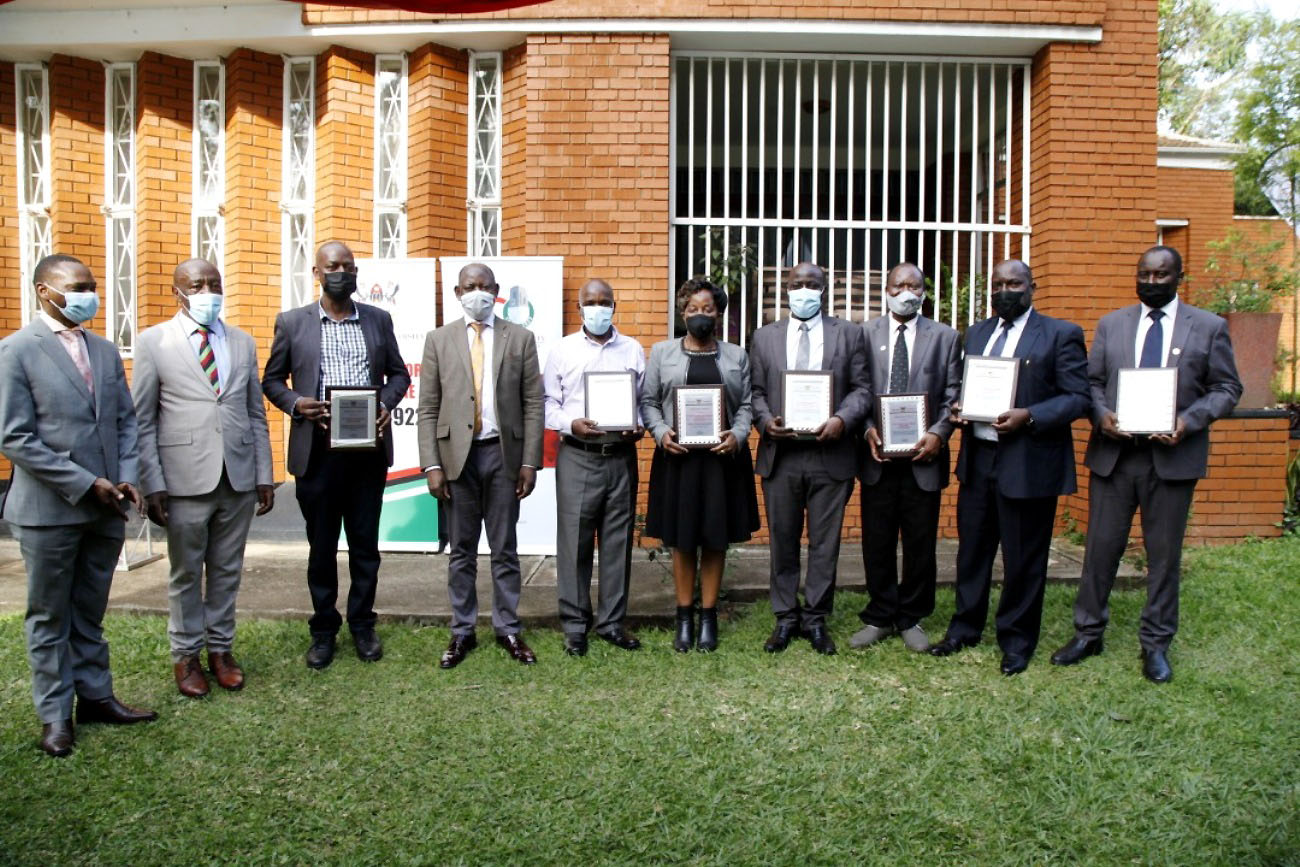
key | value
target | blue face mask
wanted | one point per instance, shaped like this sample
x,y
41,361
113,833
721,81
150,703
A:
x,y
597,319
78,307
205,307
805,303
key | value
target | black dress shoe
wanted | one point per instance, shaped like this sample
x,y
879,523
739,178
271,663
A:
x,y
1077,651
949,646
781,637
110,710
57,738
575,644
619,638
518,650
321,652
1013,664
684,637
1155,666
708,641
369,647
457,650
821,641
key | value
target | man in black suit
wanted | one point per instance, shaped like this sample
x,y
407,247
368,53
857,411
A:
x,y
810,475
1013,470
1157,473
336,342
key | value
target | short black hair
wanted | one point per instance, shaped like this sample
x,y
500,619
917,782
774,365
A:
x,y
700,283
1178,257
48,264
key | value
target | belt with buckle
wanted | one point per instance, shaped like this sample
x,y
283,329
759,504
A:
x,y
605,450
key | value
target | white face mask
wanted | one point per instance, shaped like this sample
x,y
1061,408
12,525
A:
x,y
205,307
478,304
905,304
597,319
805,303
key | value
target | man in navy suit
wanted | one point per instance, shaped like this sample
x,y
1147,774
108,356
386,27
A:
x,y
1013,470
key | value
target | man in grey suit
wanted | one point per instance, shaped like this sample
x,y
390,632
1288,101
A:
x,y
337,342
480,430
1156,474
205,466
67,426
809,475
900,495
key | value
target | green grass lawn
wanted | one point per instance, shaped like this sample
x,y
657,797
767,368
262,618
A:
x,y
879,756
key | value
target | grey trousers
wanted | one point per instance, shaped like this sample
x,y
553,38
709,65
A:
x,y
483,496
595,497
69,572
1112,500
206,531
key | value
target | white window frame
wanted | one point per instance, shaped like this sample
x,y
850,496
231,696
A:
x,y
390,206
290,208
34,229
483,212
208,206
121,326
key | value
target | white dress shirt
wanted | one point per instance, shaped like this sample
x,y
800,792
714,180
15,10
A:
x,y
574,355
1166,331
980,429
815,337
488,411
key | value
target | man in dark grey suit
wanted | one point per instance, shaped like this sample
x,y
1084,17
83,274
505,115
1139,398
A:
x,y
900,495
337,342
68,427
808,475
480,431
1157,473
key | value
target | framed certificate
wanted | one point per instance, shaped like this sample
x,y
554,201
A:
x,y
609,399
353,411
1146,400
988,387
807,402
902,420
700,414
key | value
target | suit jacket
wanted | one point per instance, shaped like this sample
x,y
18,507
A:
x,y
187,433
445,417
57,436
667,369
844,353
295,352
1208,387
1053,386
935,369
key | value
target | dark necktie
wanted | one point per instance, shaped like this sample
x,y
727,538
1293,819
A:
x,y
898,367
1154,343
1001,343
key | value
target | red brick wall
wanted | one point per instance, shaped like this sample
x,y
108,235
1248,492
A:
x,y
10,257
345,132
76,164
514,151
437,93
1203,197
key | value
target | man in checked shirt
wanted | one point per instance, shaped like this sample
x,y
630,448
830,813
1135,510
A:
x,y
337,342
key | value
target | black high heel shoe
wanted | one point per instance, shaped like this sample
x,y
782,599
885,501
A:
x,y
708,630
685,637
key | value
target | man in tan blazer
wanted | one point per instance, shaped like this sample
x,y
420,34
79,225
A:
x,y
205,467
480,430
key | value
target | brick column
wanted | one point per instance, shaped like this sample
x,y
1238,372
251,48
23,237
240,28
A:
x,y
437,94
514,151
345,133
10,258
77,165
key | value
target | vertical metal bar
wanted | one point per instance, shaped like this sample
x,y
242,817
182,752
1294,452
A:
x,y
762,183
956,180
830,185
938,183
990,182
780,182
850,141
884,188
691,139
673,119
815,141
744,189
798,159
902,166
869,138
1006,170
923,126
726,181
973,246
707,238
1024,162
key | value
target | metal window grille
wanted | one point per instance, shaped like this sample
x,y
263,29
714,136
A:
x,y
390,156
209,160
483,196
298,180
119,202
32,96
853,162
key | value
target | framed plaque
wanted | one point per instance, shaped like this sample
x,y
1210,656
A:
x,y
807,399
1146,400
988,387
609,399
700,413
901,419
353,412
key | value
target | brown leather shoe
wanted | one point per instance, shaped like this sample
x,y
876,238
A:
x,y
520,652
224,668
57,738
110,710
456,652
189,677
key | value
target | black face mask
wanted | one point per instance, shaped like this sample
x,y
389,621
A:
x,y
1009,305
1156,294
339,284
701,326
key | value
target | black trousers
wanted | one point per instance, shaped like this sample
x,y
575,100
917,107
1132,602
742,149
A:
x,y
342,489
895,505
1023,529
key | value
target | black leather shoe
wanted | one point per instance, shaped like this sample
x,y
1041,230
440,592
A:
x,y
684,638
949,646
1013,664
619,638
575,644
321,652
820,638
110,710
457,650
708,641
518,650
1077,651
57,738
369,647
1155,666
781,637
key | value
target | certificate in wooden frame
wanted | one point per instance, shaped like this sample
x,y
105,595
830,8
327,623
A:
x,y
354,410
901,420
988,387
609,399
699,412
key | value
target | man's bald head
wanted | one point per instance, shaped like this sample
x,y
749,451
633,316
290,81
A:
x,y
475,275
596,292
332,253
195,270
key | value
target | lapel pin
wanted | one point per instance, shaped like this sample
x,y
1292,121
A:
x,y
1177,351
884,349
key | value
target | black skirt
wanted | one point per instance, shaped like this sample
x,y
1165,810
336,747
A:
x,y
702,500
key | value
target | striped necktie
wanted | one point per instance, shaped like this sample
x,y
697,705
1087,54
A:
x,y
208,360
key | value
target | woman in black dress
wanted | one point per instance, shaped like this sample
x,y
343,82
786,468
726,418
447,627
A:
x,y
701,500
